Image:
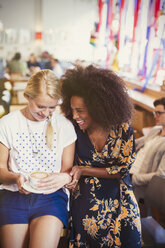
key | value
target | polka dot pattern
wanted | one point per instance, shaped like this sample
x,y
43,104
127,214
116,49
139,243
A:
x,y
45,160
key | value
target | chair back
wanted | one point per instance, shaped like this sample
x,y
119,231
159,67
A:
x,y
155,193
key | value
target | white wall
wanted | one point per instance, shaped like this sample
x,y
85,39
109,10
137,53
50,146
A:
x,y
18,18
17,13
66,26
71,23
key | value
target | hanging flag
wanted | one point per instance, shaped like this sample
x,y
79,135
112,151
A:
x,y
121,7
94,36
136,14
95,33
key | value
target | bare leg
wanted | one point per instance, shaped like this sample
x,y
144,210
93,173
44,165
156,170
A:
x,y
15,235
45,232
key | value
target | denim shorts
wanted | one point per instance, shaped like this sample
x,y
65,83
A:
x,y
17,208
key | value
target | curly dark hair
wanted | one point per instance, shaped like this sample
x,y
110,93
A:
x,y
159,101
104,93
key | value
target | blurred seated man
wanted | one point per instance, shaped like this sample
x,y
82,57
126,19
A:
x,y
17,65
150,158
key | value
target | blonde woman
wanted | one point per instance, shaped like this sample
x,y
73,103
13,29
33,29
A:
x,y
35,139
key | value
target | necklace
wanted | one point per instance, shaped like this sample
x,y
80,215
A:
x,y
35,148
99,140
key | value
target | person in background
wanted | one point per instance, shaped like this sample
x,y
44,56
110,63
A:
x,y
150,158
33,64
56,67
45,60
2,67
79,62
5,96
35,138
17,65
104,210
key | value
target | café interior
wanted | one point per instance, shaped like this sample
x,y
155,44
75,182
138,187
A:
x,y
126,36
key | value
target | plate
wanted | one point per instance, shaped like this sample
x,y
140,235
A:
x,y
27,187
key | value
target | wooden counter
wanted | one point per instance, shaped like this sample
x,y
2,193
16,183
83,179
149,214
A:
x,y
142,100
154,93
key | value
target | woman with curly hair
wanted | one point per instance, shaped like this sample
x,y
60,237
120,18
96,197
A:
x,y
104,211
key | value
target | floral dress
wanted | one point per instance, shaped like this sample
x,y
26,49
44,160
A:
x,y
104,212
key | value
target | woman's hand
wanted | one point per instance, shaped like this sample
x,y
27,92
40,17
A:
x,y
20,182
54,182
76,173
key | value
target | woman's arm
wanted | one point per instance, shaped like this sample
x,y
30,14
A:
x,y
67,158
56,181
78,171
6,176
123,153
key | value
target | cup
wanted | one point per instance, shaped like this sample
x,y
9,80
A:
x,y
35,177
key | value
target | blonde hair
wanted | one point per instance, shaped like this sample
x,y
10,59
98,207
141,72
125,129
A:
x,y
44,81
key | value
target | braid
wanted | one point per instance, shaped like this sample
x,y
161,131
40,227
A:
x,y
49,133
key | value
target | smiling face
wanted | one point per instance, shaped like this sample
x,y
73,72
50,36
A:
x,y
40,107
159,115
80,113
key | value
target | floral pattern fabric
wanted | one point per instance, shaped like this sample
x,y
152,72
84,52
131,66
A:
x,y
104,212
